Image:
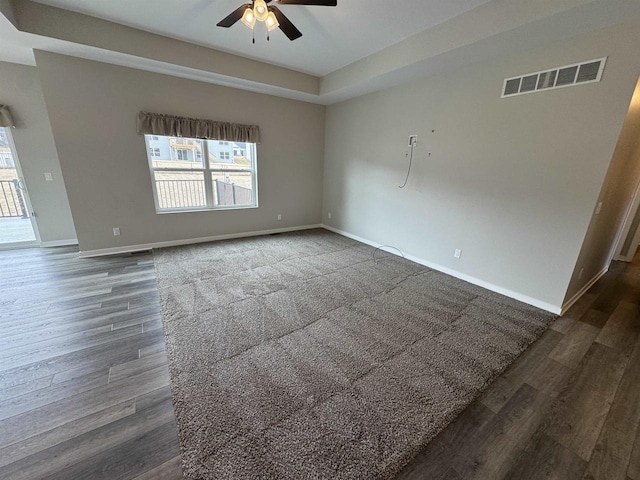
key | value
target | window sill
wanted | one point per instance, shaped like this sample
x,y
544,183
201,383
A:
x,y
198,210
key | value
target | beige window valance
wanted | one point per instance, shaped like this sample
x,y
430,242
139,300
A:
x,y
6,119
172,126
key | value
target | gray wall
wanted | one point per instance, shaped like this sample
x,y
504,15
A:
x,y
616,196
20,89
93,106
512,182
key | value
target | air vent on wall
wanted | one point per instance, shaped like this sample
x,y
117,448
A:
x,y
559,77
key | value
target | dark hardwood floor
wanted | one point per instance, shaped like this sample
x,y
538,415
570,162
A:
x,y
84,388
568,408
84,384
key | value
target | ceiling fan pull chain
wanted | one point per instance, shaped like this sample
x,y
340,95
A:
x,y
254,36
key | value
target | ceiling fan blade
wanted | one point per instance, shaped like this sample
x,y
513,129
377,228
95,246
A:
x,y
321,3
234,17
288,28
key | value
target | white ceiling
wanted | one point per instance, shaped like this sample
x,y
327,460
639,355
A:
x,y
332,36
398,43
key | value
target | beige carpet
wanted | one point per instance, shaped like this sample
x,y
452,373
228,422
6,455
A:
x,y
296,356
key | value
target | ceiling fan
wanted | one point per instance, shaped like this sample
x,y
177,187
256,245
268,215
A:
x,y
258,10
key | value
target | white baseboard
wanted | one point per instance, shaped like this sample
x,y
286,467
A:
x,y
174,243
454,273
569,303
59,243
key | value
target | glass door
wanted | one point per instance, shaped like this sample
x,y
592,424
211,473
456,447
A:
x,y
17,225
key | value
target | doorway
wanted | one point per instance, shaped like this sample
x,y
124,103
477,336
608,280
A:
x,y
17,223
629,236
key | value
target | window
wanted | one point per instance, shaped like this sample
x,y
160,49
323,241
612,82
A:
x,y
154,152
225,156
154,137
192,178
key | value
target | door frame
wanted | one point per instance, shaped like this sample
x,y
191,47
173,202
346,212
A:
x,y
625,230
27,200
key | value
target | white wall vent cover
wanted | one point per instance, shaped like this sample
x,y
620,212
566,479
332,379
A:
x,y
559,77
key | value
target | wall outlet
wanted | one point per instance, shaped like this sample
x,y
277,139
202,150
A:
x,y
279,216
329,214
116,231
598,208
457,253
580,273
48,177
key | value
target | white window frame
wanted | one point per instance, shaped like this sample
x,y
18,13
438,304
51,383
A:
x,y
186,152
208,181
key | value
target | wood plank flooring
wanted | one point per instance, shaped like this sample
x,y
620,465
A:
x,y
568,408
84,387
84,383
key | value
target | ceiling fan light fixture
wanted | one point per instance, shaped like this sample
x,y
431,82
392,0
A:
x,y
271,22
260,10
248,18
